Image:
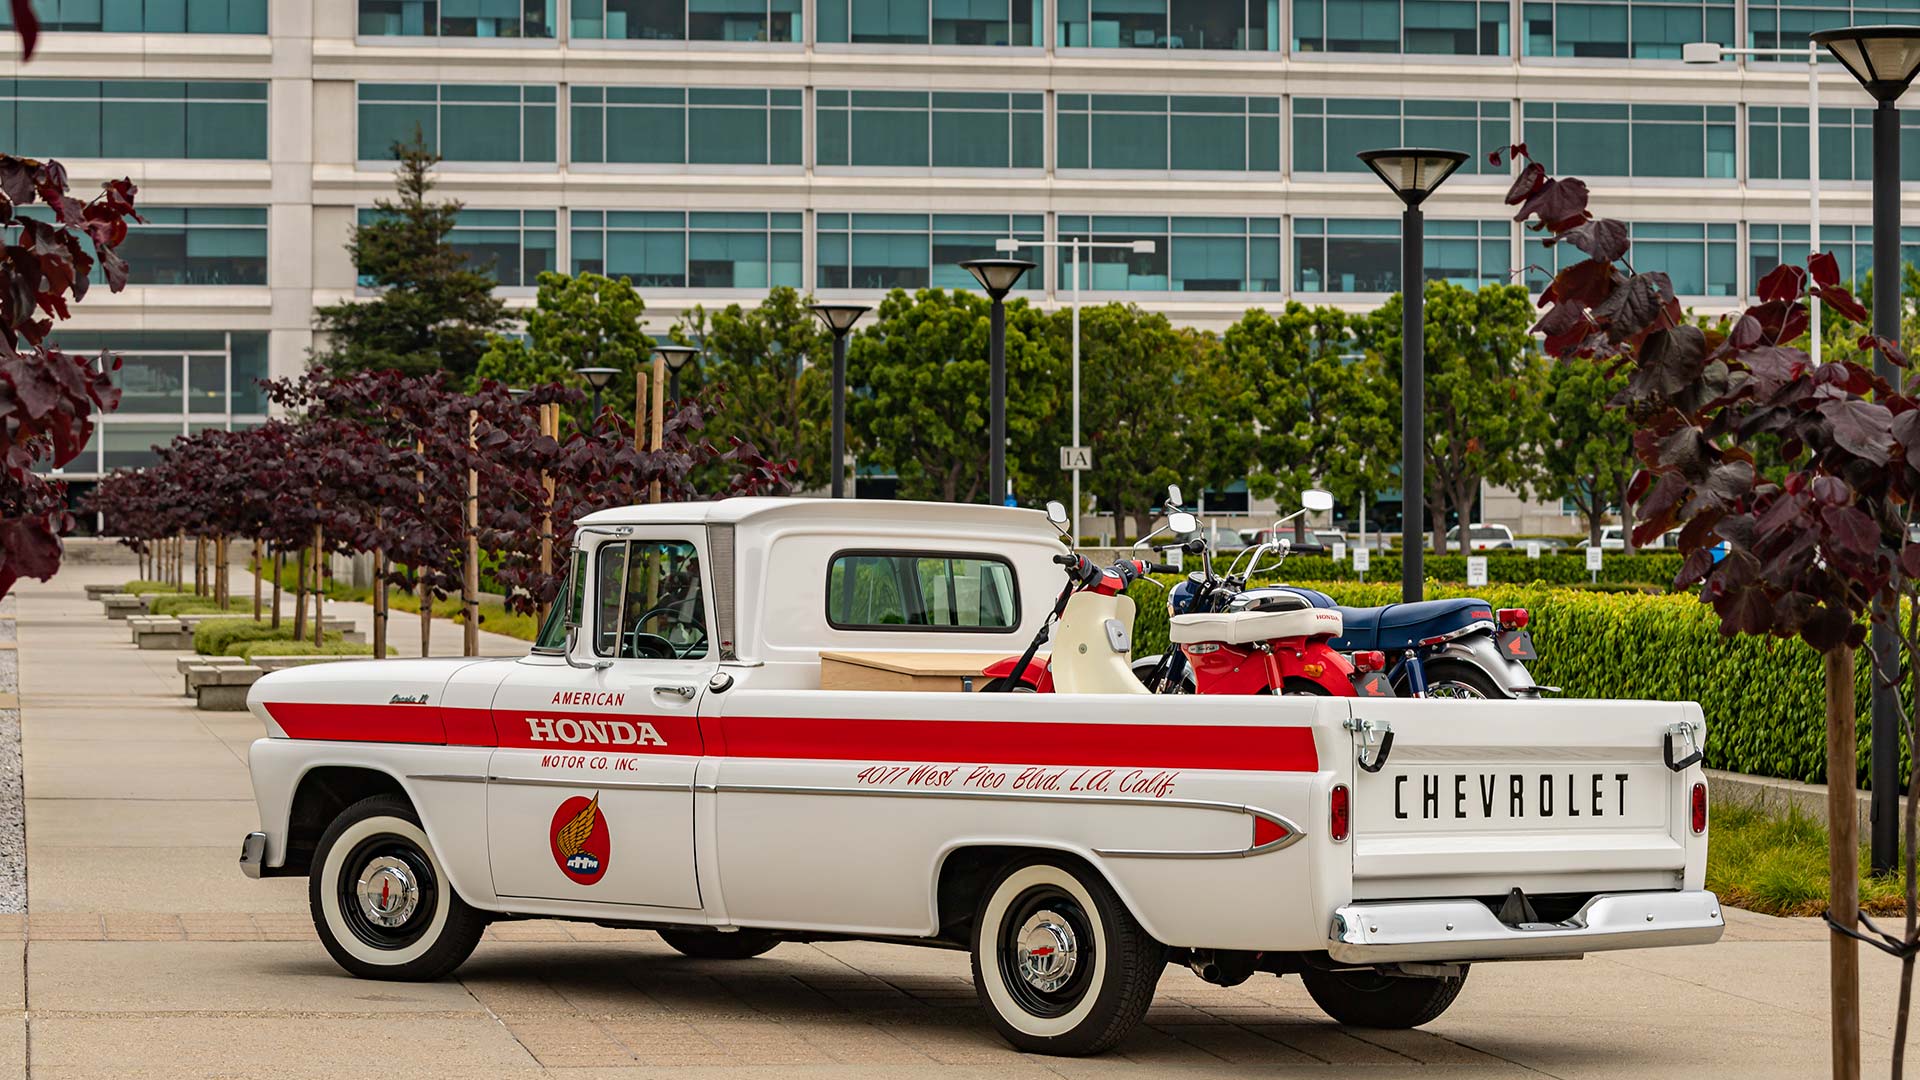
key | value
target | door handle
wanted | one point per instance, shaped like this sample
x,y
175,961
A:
x,y
685,693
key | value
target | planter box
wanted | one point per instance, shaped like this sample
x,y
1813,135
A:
x,y
222,687
276,663
121,605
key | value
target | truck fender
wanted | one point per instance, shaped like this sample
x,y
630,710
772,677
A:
x,y
1034,845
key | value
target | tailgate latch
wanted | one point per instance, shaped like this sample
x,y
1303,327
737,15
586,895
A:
x,y
1369,731
1689,738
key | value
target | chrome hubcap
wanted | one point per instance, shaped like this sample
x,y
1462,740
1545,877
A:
x,y
388,892
1453,690
1048,951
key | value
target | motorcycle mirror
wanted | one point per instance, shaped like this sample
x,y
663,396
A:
x,y
1182,523
1316,500
1173,497
1056,513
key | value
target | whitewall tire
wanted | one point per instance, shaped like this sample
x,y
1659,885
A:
x,y
382,902
1059,962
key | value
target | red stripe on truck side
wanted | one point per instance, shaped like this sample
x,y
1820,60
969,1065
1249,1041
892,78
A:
x,y
382,723
1161,746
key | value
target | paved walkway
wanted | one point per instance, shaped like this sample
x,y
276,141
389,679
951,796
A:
x,y
147,954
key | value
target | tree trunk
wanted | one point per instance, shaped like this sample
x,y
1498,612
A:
x,y
1626,524
1437,511
300,595
1843,863
259,570
379,599
470,576
220,571
319,583
199,566
426,615
279,568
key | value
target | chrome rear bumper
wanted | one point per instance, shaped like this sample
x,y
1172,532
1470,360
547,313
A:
x,y
1465,930
253,852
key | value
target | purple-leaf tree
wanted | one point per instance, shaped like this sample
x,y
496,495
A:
x,y
1792,483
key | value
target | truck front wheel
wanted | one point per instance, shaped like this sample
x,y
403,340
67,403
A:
x,y
1059,962
1370,999
381,902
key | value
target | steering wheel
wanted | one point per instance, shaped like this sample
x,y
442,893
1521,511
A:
x,y
644,646
672,616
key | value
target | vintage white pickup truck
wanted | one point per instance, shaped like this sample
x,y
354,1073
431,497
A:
x,y
749,721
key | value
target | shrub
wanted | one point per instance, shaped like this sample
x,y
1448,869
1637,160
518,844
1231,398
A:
x,y
217,637
276,647
1764,698
145,587
1508,567
188,604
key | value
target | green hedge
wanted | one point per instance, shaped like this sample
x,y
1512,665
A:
x,y
1764,699
1650,568
188,604
276,647
218,637
142,588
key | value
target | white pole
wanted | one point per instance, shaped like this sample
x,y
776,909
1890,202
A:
x,y
1076,384
1813,183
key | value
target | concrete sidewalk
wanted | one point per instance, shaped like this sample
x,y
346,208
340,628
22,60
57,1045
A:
x,y
147,954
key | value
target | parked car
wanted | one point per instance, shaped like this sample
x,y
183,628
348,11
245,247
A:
x,y
1481,538
1613,538
744,724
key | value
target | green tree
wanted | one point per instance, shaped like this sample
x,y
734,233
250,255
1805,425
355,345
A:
x,y
1586,453
582,320
1485,382
922,404
775,363
1141,380
433,312
1320,406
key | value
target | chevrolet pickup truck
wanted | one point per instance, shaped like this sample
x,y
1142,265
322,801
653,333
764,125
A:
x,y
751,721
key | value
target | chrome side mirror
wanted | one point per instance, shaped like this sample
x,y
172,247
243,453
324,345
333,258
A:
x,y
1182,524
1056,513
1173,497
1317,500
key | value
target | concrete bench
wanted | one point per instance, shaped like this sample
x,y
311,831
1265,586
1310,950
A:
x,y
95,592
121,605
276,663
185,663
222,687
162,634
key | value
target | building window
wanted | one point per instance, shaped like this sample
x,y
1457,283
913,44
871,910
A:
x,y
1239,25
687,20
513,246
1777,144
1851,245
643,125
1700,259
457,18
1785,24
1190,254
1443,27
1692,142
1362,255
147,16
916,22
1329,133
197,245
917,130
1168,134
914,251
471,122
699,250
1626,30
147,118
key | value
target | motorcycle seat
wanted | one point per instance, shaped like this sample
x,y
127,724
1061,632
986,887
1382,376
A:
x,y
1248,627
1396,626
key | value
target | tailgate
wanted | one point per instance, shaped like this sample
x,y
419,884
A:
x,y
1552,797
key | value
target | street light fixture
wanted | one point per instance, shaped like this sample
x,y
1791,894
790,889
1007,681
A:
x,y
598,379
676,357
839,320
1885,60
997,277
1413,173
1712,52
1075,244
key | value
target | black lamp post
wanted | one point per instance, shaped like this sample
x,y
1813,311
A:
x,y
676,357
839,320
598,379
997,277
1413,174
1885,59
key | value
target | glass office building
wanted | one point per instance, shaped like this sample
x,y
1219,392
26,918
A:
x,y
711,149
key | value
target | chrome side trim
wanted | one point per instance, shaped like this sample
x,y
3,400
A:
x,y
620,785
449,778
1293,837
1464,930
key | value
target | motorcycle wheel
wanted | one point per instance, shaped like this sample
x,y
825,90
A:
x,y
999,686
1455,679
1144,667
1298,687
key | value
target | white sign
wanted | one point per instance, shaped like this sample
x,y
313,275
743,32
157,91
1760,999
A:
x,y
1593,558
1533,549
1476,569
1361,559
1076,458
1339,551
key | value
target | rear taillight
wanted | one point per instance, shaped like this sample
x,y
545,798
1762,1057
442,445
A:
x,y
1339,813
1369,660
1513,618
1699,808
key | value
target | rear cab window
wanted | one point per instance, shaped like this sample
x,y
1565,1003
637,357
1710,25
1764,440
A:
x,y
921,590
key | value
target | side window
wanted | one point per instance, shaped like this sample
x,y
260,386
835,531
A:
x,y
879,590
650,601
566,606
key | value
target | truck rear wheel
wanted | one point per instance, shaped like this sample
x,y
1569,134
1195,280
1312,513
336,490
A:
x,y
1370,999
380,900
1059,962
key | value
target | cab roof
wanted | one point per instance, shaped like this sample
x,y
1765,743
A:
x,y
792,510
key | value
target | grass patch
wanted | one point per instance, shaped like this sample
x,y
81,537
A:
x,y
143,588
1778,865
494,618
